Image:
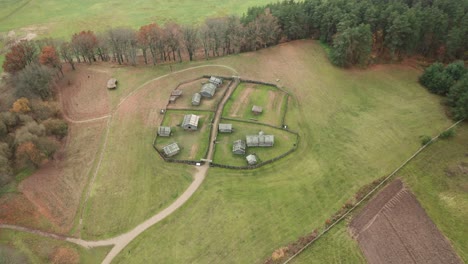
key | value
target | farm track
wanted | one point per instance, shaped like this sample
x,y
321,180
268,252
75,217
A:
x,y
121,241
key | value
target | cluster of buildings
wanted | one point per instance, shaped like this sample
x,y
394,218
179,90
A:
x,y
239,147
208,90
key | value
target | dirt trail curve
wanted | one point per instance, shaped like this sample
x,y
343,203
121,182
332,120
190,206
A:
x,y
121,241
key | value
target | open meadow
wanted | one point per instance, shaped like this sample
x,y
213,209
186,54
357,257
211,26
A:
x,y
62,18
355,126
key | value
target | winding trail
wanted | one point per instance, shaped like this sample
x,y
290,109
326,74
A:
x,y
121,241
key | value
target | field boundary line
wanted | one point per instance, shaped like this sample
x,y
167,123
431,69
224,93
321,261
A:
x,y
370,193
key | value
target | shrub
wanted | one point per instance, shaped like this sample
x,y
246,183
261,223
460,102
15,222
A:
x,y
29,132
5,166
43,110
48,146
33,81
425,140
10,119
27,152
447,134
56,127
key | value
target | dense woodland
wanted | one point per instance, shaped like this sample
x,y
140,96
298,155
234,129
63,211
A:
x,y
358,32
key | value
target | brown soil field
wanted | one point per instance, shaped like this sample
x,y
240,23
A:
x,y
394,228
83,92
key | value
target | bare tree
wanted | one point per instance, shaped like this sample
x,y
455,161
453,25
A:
x,y
190,39
173,38
66,52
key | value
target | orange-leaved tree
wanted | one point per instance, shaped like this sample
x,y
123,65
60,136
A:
x,y
19,56
21,106
49,57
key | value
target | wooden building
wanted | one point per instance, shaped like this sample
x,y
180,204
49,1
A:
x,y
216,81
225,128
112,83
260,140
196,98
190,122
208,90
164,131
239,147
171,150
257,109
251,159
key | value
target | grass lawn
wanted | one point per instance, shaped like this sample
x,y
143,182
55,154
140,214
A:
x,y
355,126
193,144
246,95
36,249
62,18
335,247
284,141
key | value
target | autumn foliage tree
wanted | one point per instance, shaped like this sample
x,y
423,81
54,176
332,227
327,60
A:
x,y
50,58
20,55
21,106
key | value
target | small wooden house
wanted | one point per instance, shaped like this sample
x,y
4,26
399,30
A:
x,y
196,98
208,90
239,147
164,131
171,150
112,83
225,128
251,159
190,122
173,99
176,93
257,110
260,140
216,81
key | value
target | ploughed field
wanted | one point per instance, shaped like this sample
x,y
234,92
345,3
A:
x,y
394,228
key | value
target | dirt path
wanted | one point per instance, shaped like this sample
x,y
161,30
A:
x,y
121,241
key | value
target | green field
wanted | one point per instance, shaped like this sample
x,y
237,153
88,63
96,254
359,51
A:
x,y
62,18
284,141
355,126
193,144
272,100
39,250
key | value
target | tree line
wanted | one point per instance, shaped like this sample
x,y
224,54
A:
x,y
358,32
450,81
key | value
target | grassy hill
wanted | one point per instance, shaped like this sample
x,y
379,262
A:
x,y
355,126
